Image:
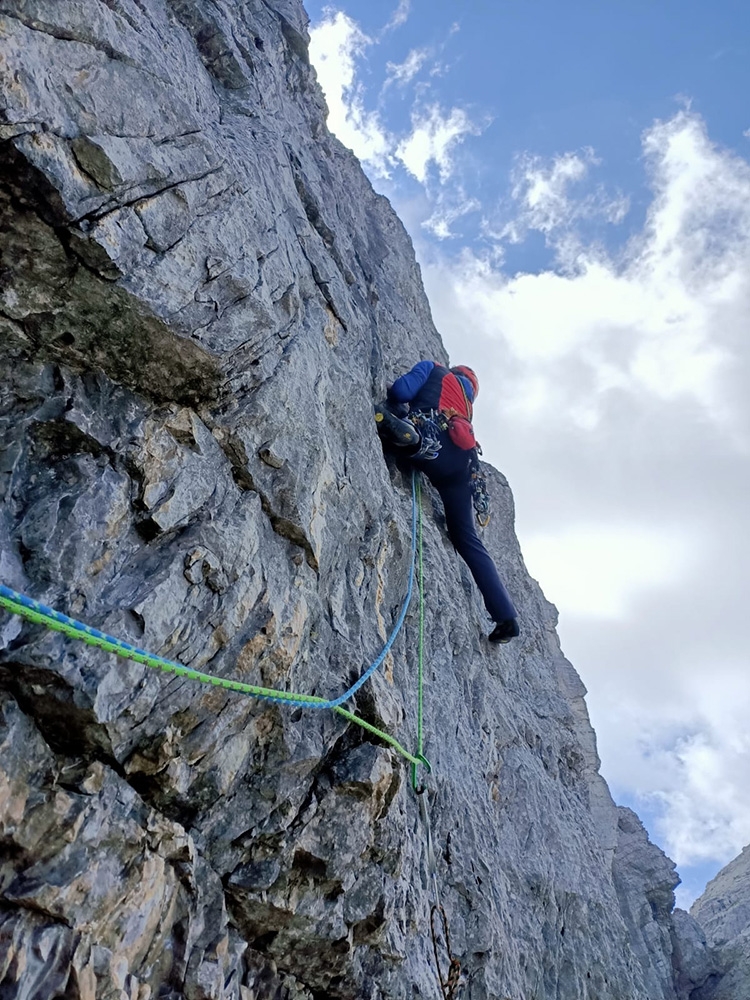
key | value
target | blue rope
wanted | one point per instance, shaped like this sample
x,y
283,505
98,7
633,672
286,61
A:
x,y
140,655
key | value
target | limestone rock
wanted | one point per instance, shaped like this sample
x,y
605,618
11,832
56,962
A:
x,y
723,913
201,297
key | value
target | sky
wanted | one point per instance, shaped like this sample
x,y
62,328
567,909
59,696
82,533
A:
x,y
576,181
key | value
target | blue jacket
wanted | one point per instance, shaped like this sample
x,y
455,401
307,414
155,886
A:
x,y
423,388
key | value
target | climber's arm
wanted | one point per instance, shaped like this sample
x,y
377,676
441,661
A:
x,y
405,388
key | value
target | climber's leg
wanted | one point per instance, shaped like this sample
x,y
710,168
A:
x,y
459,516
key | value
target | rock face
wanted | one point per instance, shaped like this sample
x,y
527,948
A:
x,y
200,299
723,912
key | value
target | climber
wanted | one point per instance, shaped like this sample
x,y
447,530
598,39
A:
x,y
438,439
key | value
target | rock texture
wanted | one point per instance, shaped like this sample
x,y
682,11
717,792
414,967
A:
x,y
200,299
723,912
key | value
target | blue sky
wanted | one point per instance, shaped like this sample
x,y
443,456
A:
x,y
576,180
550,77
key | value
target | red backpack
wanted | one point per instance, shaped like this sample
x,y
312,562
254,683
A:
x,y
456,406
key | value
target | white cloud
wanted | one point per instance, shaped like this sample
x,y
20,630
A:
x,y
615,399
403,73
543,192
597,568
655,322
335,44
544,200
688,757
400,15
447,209
433,139
699,225
706,812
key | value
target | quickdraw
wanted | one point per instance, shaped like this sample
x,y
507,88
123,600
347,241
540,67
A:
x,y
480,496
429,426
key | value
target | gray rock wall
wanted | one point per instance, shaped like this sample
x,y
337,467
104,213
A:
x,y
723,913
200,299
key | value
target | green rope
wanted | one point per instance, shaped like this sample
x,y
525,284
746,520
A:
x,y
420,675
170,667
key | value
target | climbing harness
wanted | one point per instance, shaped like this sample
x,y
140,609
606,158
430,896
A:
x,y
431,424
34,611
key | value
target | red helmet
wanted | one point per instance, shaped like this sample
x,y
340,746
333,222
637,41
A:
x,y
470,374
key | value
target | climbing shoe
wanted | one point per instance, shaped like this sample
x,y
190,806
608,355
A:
x,y
504,631
393,429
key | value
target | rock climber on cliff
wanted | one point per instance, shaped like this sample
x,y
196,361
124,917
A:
x,y
438,439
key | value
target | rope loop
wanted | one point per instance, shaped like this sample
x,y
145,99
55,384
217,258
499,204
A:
x,y
34,611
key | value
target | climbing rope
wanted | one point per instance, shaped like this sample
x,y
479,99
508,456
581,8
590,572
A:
x,y
450,983
26,607
38,613
420,657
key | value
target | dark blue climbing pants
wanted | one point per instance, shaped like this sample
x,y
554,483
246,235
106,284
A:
x,y
450,474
